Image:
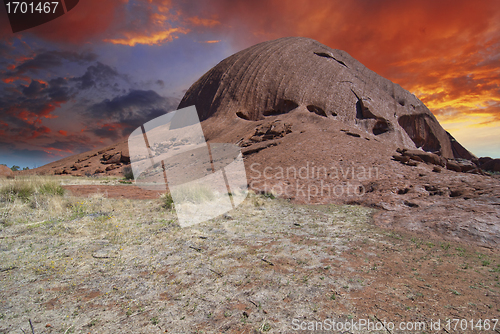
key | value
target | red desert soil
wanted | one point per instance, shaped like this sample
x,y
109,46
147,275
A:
x,y
112,191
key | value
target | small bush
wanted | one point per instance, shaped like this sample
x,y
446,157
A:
x,y
167,201
127,173
268,195
51,188
13,190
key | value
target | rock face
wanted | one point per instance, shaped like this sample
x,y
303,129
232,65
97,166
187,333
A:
x,y
109,160
5,171
294,73
492,165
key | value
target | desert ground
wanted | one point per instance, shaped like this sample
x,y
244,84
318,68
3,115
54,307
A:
x,y
99,262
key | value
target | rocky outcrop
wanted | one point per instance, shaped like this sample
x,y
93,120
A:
x,y
6,172
492,165
297,74
412,157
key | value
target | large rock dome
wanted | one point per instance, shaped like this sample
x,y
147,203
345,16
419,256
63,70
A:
x,y
295,73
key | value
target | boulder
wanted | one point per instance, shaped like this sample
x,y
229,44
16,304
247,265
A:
x,y
481,161
6,172
99,171
111,167
401,158
452,165
125,157
111,158
58,171
466,165
492,165
426,157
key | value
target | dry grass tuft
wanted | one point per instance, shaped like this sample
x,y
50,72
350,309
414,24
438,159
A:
x,y
26,188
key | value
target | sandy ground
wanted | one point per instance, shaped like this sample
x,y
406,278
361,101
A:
x,y
104,265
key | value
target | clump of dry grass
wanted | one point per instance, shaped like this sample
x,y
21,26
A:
x,y
30,199
26,188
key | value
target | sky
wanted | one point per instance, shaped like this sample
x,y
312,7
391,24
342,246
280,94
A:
x,y
90,77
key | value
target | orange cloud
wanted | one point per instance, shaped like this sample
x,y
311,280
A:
x,y
16,78
211,42
62,132
203,22
155,39
39,131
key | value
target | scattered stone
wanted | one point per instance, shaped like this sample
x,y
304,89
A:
x,y
412,163
401,158
451,165
111,167
426,157
466,165
99,171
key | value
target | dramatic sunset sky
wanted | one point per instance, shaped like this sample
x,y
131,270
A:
x,y
90,77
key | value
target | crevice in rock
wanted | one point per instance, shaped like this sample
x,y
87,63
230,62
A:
x,y
410,204
327,55
317,110
242,115
378,125
417,128
282,107
403,191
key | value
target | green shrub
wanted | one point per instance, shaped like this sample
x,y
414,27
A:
x,y
127,173
51,188
167,201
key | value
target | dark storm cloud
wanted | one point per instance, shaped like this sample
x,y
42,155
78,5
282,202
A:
x,y
121,104
35,88
22,108
122,114
50,59
94,74
59,91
